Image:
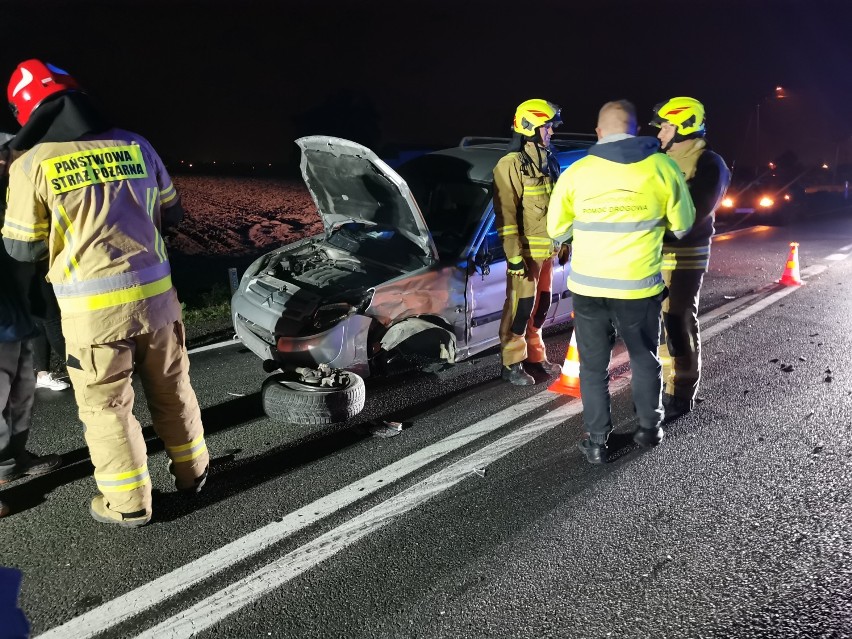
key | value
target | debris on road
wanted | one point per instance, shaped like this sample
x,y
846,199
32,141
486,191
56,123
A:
x,y
384,429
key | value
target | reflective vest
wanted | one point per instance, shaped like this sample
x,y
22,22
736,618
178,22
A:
x,y
97,204
521,194
617,213
707,188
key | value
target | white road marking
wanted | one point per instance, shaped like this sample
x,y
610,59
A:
x,y
210,347
227,601
836,257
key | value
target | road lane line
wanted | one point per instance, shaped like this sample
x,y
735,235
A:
x,y
210,347
243,592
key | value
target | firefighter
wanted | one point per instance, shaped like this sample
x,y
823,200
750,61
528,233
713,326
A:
x,y
682,135
616,203
523,180
96,201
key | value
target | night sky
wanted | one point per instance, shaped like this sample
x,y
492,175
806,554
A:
x,y
240,80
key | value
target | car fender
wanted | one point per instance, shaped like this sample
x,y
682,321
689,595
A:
x,y
425,339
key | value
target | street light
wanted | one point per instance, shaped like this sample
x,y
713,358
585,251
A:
x,y
779,94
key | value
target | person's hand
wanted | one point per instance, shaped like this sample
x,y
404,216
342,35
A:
x,y
564,254
515,267
533,270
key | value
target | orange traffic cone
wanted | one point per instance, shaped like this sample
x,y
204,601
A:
x,y
568,382
791,271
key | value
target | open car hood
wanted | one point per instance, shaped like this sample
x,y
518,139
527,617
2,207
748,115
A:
x,y
350,183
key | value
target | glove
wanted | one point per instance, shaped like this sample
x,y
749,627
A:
x,y
564,254
515,267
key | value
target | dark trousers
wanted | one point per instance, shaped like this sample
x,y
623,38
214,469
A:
x,y
17,391
637,322
48,321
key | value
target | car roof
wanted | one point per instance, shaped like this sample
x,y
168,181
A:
x,y
483,153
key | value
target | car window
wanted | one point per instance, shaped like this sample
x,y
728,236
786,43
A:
x,y
452,204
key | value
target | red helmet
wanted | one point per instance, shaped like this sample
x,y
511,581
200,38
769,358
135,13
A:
x,y
32,82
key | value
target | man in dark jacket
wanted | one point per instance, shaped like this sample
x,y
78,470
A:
x,y
681,123
17,378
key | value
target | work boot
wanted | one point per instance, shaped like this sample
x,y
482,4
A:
x,y
515,374
649,437
547,368
595,453
675,407
101,512
195,487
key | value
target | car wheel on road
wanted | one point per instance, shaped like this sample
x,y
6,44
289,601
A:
x,y
313,397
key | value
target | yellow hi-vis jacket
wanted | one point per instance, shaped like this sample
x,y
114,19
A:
x,y
617,202
97,204
521,194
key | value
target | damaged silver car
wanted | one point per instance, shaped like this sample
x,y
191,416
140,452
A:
x,y
408,274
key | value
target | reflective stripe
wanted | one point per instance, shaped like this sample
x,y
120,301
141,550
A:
x,y
168,194
544,189
150,202
31,232
618,227
191,450
686,257
122,482
114,298
509,229
113,282
672,263
620,285
539,239
63,225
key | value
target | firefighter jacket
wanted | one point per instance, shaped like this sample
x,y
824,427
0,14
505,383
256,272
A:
x,y
94,208
708,178
523,182
616,203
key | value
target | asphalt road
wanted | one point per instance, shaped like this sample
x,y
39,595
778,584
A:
x,y
481,519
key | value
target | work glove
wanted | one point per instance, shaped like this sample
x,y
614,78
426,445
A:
x,y
515,267
564,254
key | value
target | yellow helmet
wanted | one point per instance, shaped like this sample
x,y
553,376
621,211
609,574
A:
x,y
534,113
685,114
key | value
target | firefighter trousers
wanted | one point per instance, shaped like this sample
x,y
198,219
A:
x,y
102,376
527,302
680,347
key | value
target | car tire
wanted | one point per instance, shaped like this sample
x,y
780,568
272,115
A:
x,y
301,404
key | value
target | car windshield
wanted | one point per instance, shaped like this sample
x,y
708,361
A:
x,y
450,201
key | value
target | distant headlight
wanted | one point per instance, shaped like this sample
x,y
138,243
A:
x,y
728,203
766,202
787,197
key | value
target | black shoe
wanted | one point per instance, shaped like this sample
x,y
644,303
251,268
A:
x,y
595,453
547,368
649,437
515,374
33,465
675,407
